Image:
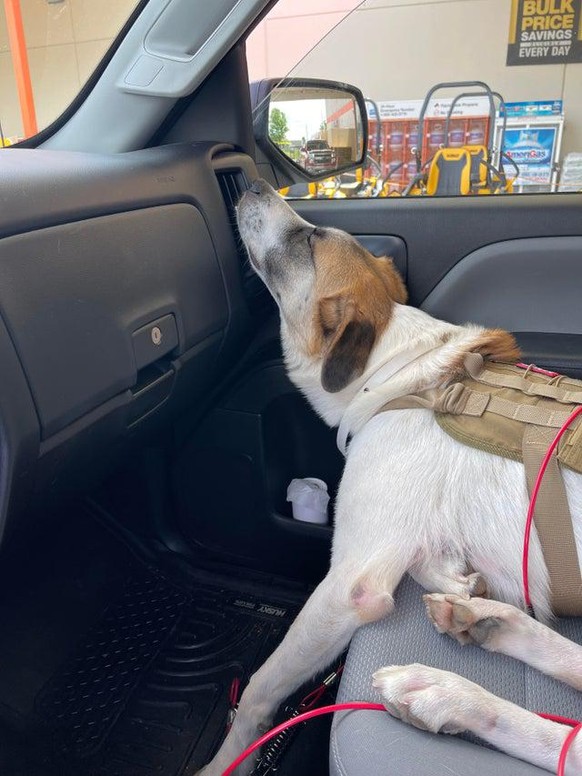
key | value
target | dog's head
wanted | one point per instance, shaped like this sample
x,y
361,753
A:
x,y
335,297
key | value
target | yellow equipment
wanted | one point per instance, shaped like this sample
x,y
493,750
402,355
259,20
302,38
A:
x,y
449,173
468,169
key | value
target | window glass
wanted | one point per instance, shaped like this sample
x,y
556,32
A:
x,y
48,50
520,133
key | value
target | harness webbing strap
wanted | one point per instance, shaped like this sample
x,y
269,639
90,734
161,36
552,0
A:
x,y
474,365
528,413
553,523
468,402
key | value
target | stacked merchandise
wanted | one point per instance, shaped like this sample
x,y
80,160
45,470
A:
x,y
393,144
571,175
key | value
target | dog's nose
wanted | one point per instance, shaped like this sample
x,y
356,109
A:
x,y
259,186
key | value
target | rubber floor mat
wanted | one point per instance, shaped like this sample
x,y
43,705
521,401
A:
x,y
147,691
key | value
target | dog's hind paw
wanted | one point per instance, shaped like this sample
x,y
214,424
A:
x,y
470,621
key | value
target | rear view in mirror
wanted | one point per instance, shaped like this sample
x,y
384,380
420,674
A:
x,y
319,126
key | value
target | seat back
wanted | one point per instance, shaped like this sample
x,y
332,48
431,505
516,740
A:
x,y
449,172
478,155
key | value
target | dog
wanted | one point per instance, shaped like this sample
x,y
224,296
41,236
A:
x,y
411,499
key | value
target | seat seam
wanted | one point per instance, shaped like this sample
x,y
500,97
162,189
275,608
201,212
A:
x,y
334,750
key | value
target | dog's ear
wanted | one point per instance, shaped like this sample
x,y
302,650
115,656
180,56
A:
x,y
349,338
391,278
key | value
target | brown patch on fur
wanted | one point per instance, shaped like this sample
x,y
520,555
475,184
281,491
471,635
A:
x,y
497,345
493,345
356,293
391,279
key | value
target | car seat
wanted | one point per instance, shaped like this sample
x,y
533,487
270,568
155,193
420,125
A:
x,y
369,743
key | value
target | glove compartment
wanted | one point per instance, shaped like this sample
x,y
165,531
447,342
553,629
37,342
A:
x,y
96,306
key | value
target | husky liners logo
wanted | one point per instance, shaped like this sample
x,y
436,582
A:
x,y
259,608
274,611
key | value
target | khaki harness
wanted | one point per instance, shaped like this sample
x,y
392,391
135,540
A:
x,y
515,413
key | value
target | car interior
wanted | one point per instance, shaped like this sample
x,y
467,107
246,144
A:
x,y
148,430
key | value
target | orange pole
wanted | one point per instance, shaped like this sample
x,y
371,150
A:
x,y
20,63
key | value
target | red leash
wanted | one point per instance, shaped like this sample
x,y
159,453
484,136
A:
x,y
296,721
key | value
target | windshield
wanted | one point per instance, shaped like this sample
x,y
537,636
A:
x,y
48,50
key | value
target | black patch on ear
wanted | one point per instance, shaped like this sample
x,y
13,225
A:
x,y
348,356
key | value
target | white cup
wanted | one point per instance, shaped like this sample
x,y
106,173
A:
x,y
309,499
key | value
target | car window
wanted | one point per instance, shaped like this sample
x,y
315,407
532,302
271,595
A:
x,y
48,50
511,123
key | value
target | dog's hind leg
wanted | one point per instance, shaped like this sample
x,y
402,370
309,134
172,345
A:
x,y
502,628
447,574
320,633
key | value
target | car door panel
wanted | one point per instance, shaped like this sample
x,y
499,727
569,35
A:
x,y
440,231
520,285
560,352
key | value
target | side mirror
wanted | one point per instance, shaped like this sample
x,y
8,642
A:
x,y
318,128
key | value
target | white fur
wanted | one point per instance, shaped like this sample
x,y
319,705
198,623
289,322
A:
x,y
411,498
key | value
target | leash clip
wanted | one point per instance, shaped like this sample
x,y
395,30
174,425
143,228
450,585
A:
x,y
233,697
231,716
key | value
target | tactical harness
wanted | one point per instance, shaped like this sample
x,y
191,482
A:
x,y
516,413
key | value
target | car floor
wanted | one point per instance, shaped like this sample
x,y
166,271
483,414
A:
x,y
114,664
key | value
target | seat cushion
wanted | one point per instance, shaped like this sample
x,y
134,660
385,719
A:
x,y
370,743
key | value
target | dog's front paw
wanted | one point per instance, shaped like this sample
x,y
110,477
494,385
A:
x,y
431,699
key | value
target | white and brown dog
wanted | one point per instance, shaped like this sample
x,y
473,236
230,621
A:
x,y
411,499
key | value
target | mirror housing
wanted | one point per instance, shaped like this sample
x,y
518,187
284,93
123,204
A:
x,y
311,128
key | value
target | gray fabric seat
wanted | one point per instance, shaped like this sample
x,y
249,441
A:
x,y
370,743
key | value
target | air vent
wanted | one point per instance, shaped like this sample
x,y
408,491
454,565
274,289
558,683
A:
x,y
233,184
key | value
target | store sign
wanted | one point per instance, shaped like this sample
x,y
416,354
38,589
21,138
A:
x,y
410,109
545,32
532,149
534,109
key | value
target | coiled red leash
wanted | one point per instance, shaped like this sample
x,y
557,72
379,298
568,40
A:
x,y
296,721
574,724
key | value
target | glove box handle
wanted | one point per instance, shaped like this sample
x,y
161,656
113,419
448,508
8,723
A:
x,y
152,389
